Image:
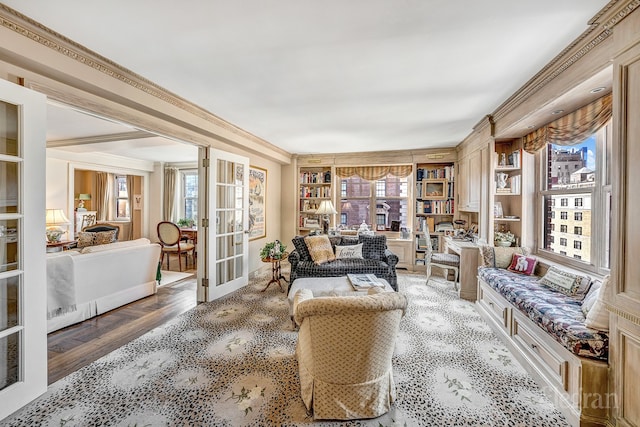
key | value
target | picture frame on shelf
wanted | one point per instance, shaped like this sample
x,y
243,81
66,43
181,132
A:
x,y
497,210
434,189
311,223
380,227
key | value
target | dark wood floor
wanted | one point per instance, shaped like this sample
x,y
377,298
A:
x,y
78,345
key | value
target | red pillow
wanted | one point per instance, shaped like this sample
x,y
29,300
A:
x,y
522,264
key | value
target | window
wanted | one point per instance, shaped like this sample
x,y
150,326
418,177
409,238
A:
x,y
563,241
389,195
122,197
586,188
189,206
563,253
577,244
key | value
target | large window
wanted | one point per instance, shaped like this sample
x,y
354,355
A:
x,y
389,195
576,183
189,207
122,197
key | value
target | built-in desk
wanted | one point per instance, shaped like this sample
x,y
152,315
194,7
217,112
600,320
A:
x,y
469,259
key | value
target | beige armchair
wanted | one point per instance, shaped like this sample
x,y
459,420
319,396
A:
x,y
344,351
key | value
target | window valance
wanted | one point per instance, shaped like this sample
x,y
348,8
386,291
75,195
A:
x,y
374,173
572,128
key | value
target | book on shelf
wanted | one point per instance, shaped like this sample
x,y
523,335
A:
x,y
364,281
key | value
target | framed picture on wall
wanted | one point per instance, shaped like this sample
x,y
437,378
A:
x,y
257,203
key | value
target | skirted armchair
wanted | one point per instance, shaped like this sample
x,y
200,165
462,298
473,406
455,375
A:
x,y
344,351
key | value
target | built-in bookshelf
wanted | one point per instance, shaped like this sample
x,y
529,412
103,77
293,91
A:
x,y
508,188
434,205
314,186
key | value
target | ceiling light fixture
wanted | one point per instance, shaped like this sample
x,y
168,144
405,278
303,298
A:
x,y
598,89
557,112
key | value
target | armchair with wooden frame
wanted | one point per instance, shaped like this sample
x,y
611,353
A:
x,y
171,241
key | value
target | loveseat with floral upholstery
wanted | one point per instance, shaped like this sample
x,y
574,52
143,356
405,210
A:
x,y
376,259
554,321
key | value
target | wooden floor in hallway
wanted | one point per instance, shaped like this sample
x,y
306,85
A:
x,y
75,346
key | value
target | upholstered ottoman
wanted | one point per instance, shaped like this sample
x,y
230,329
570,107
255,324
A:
x,y
327,286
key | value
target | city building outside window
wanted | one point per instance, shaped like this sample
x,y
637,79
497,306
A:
x,y
584,195
577,244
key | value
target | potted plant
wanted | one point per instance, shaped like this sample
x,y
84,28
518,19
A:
x,y
185,222
504,238
274,250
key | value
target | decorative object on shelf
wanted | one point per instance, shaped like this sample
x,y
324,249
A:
x,y
504,238
497,210
82,197
502,179
311,223
325,209
503,159
274,250
434,189
55,219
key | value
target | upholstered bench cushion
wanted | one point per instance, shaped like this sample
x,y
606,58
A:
x,y
446,259
559,315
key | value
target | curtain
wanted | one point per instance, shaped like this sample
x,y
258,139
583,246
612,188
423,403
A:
x,y
170,179
130,197
374,173
104,189
572,128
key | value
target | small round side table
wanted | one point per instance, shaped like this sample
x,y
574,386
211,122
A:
x,y
276,275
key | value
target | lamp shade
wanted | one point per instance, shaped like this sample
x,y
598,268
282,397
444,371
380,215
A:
x,y
56,217
326,208
84,196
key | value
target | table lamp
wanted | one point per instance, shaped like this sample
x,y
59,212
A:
x,y
325,209
82,197
55,218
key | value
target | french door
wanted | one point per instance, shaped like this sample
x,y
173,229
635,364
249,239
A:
x,y
23,291
223,265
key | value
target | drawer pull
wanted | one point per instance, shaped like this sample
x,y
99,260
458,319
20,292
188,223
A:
x,y
490,304
535,347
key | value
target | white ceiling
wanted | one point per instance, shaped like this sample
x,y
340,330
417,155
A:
x,y
327,76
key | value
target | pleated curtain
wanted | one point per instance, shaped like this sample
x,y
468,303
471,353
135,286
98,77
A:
x,y
130,197
374,173
572,128
104,189
170,179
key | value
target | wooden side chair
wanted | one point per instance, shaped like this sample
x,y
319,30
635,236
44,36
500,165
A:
x,y
442,260
170,239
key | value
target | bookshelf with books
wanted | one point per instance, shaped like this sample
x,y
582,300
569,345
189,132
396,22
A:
x,y
314,186
435,205
512,192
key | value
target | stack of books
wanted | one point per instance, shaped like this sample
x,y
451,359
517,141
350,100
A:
x,y
363,282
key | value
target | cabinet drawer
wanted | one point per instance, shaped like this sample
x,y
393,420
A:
x,y
555,367
496,306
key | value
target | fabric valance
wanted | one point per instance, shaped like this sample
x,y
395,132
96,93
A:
x,y
374,173
572,128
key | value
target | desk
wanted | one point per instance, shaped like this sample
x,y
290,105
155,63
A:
x,y
190,233
469,261
276,275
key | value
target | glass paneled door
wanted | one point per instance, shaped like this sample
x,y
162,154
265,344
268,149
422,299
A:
x,y
23,293
225,209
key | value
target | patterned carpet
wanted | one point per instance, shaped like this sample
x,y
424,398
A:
x,y
232,363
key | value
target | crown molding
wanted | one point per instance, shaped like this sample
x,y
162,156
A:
x,y
600,29
33,30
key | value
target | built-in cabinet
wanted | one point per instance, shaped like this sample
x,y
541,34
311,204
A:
x,y
469,182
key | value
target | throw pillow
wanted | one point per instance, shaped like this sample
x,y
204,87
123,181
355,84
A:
x,y
500,257
85,239
562,281
590,298
373,247
598,316
104,237
301,248
350,251
320,248
522,264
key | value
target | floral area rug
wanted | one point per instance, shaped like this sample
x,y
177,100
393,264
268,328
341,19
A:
x,y
232,363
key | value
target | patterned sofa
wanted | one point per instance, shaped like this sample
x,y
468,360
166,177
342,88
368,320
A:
x,y
377,259
546,331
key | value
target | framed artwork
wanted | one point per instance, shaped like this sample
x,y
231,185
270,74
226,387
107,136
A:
x,y
434,189
257,203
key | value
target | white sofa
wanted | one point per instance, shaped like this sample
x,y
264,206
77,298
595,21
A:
x,y
83,284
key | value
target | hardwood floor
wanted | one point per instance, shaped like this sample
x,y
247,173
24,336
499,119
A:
x,y
78,345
